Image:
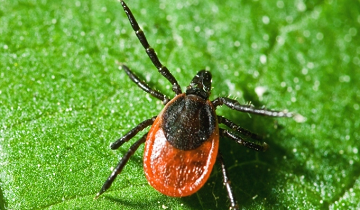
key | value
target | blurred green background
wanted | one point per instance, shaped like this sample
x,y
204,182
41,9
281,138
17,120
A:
x,y
63,99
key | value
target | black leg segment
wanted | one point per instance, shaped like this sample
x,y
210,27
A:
x,y
150,51
237,128
121,165
144,86
239,140
132,133
233,202
233,104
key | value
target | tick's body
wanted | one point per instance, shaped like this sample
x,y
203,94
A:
x,y
182,144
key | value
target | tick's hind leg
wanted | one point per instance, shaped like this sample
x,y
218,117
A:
x,y
121,165
145,86
129,153
233,202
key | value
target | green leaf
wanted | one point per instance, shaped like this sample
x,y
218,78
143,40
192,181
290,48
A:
x,y
63,99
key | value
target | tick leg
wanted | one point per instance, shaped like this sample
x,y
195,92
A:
x,y
121,165
233,202
233,104
132,133
144,86
239,140
237,128
150,51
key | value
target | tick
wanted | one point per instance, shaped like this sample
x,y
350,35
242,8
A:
x,y
182,144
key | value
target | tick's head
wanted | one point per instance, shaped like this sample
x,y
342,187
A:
x,y
200,85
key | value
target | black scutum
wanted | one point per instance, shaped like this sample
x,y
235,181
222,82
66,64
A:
x,y
188,122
